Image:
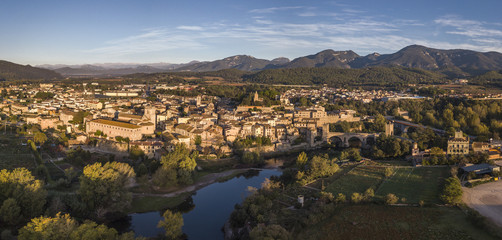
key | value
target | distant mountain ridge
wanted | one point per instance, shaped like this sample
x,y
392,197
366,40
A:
x,y
454,63
13,71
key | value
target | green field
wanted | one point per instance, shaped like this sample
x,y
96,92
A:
x,y
156,203
392,222
357,180
13,154
415,184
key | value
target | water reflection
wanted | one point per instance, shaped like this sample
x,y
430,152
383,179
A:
x,y
205,212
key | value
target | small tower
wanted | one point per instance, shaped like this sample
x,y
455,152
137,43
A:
x,y
256,98
151,115
198,100
415,151
389,128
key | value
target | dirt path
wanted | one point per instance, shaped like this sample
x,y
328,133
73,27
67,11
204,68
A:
x,y
486,199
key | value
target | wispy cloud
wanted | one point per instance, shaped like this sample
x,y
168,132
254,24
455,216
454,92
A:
x,y
469,28
273,9
338,30
192,28
151,40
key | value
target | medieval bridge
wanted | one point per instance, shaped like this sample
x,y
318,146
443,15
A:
x,y
341,139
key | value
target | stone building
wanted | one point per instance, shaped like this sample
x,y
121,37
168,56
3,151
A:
x,y
458,145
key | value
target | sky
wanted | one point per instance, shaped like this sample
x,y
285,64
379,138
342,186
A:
x,y
148,31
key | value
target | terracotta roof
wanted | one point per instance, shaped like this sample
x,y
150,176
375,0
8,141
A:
x,y
116,123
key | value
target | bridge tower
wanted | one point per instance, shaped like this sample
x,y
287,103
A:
x,y
389,128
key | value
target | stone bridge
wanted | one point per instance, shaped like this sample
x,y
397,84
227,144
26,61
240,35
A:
x,y
342,139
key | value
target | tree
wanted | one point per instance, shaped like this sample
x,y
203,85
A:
x,y
172,224
39,138
452,191
10,212
91,230
135,153
270,232
369,194
179,161
198,140
103,187
379,123
388,171
340,198
301,160
59,227
28,193
391,199
356,197
322,167
63,227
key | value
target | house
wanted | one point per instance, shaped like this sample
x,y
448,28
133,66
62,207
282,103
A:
x,y
458,145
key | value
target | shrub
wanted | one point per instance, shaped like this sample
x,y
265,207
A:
x,y
391,199
340,198
356,197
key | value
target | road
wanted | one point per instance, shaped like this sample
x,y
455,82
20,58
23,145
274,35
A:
x,y
486,199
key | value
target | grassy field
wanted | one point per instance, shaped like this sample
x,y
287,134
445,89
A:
x,y
391,222
13,154
152,203
415,184
357,180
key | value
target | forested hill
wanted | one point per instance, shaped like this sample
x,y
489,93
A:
x,y
337,77
11,71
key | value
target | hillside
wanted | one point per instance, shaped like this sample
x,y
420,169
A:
x,y
456,63
11,71
240,62
326,58
337,77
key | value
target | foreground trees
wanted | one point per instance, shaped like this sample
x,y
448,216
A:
x,y
452,192
103,187
22,196
172,224
63,227
177,167
316,167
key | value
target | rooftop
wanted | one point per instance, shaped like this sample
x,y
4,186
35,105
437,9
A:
x,y
116,123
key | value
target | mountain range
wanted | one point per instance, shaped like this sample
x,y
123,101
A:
x,y
453,63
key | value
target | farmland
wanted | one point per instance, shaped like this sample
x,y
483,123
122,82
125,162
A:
x,y
413,184
357,180
392,222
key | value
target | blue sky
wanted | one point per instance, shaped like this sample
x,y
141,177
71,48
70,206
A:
x,y
147,31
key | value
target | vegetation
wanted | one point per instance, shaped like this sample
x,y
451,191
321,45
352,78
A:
x,y
172,224
11,71
63,227
103,188
22,196
452,192
339,77
177,167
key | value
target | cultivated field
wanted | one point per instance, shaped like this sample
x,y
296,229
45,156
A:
x,y
415,184
357,180
13,154
392,222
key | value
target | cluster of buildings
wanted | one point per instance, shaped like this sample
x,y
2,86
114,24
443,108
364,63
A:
x,y
459,145
204,122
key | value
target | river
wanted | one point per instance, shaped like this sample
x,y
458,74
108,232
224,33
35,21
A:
x,y
207,210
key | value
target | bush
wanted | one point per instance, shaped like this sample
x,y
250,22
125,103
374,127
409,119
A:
x,y
369,194
340,198
356,197
391,199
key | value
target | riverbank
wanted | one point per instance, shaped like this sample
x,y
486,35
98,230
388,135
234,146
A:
x,y
147,202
